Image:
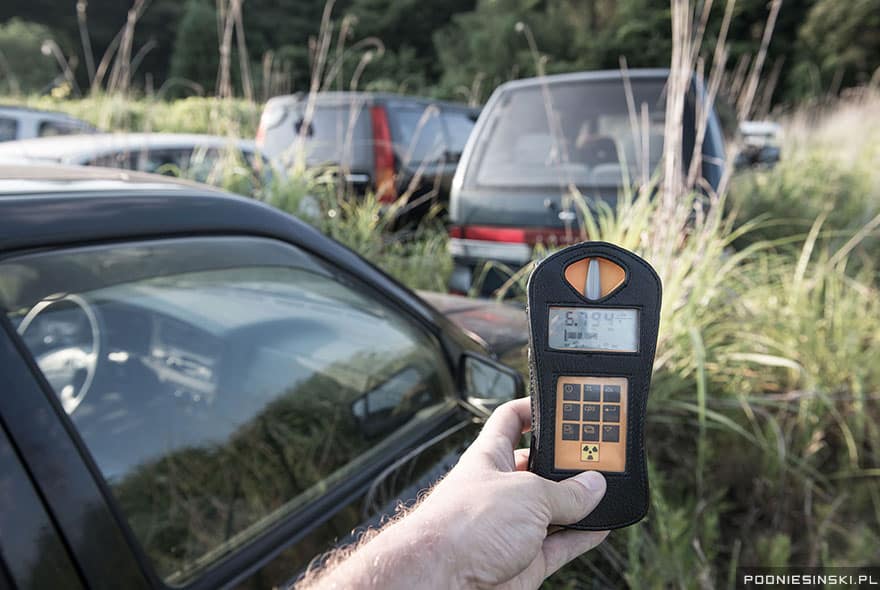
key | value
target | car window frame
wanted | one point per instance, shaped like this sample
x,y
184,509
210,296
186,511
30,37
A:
x,y
293,526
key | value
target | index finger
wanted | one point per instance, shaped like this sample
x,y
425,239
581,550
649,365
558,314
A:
x,y
505,426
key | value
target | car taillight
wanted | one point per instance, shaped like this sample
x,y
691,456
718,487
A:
x,y
515,235
385,181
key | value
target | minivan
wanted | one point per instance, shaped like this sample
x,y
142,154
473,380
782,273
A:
x,y
539,138
390,144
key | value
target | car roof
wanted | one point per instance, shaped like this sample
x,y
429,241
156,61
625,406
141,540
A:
x,y
30,179
346,97
65,147
13,110
596,75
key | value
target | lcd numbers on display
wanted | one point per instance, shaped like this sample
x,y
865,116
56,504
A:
x,y
594,329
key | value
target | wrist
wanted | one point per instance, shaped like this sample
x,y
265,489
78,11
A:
x,y
413,552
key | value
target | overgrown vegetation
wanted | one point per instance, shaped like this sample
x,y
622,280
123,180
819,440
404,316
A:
x,y
765,448
766,394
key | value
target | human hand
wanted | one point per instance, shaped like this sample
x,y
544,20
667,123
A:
x,y
484,525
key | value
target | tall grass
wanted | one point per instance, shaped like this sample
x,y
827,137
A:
x,y
764,446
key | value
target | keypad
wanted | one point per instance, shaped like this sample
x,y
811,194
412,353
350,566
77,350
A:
x,y
592,423
596,422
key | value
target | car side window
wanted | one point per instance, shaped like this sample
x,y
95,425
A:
x,y
54,128
125,160
8,129
220,384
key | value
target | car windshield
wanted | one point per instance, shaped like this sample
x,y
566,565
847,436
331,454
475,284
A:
x,y
585,133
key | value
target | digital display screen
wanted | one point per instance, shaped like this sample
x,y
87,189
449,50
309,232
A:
x,y
594,329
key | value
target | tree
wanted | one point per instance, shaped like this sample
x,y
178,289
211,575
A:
x,y
196,54
840,41
23,67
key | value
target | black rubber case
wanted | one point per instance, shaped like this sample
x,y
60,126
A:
x,y
626,499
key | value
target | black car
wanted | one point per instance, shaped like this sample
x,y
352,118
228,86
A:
x,y
538,141
396,146
200,391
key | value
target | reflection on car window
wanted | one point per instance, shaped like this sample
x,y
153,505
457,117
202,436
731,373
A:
x,y
220,384
125,160
54,128
577,133
8,129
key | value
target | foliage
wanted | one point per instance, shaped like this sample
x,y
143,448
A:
x,y
418,257
23,67
829,170
190,115
841,40
195,56
818,45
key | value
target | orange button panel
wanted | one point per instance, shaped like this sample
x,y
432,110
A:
x,y
591,423
605,276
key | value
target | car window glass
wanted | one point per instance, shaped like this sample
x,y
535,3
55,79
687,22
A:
x,y
54,128
8,129
220,384
579,133
417,134
335,135
459,125
125,159
170,161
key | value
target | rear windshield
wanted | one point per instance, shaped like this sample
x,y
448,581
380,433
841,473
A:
x,y
337,135
430,133
578,133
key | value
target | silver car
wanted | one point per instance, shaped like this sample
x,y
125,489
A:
x,y
26,123
190,155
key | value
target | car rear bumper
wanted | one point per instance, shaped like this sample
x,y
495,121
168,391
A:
x,y
471,251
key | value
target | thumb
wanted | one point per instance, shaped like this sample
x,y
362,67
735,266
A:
x,y
571,500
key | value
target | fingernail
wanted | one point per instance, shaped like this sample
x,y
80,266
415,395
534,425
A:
x,y
592,480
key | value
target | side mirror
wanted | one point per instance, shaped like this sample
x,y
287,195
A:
x,y
765,156
487,383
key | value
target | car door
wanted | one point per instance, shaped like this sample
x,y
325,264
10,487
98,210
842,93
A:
x,y
236,398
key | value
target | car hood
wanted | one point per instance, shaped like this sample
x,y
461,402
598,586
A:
x,y
501,327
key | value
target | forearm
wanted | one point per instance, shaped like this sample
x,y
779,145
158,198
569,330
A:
x,y
411,552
